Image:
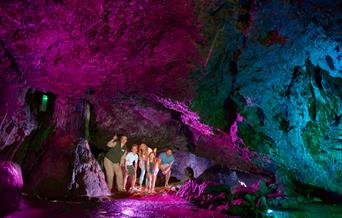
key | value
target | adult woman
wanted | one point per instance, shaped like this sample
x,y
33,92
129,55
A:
x,y
152,170
114,160
144,151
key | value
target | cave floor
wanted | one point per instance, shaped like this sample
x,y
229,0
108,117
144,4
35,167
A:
x,y
164,203
160,204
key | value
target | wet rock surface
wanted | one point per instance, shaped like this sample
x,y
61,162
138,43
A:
x,y
11,183
264,77
164,205
222,175
187,159
280,73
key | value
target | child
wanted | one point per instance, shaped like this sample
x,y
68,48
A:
x,y
131,165
144,151
151,167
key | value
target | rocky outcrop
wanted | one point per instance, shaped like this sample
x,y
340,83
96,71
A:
x,y
67,170
87,178
281,73
223,175
11,183
239,200
187,159
264,76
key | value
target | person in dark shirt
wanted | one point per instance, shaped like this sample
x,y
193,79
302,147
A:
x,y
114,161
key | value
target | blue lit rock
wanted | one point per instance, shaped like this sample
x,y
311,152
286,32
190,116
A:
x,y
284,77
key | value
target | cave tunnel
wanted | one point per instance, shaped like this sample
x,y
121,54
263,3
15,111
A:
x,y
185,108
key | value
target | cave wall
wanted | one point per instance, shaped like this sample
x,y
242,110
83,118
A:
x,y
278,64
263,76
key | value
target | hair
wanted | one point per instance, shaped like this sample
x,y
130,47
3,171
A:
x,y
141,152
168,148
134,145
120,133
149,155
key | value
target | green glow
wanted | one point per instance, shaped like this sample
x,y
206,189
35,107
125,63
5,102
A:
x,y
44,102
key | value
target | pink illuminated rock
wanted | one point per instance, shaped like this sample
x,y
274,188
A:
x,y
250,189
105,46
237,202
87,177
11,183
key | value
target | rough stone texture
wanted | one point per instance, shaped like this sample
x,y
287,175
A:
x,y
87,177
245,201
282,73
52,172
104,46
174,125
222,175
264,76
187,159
67,169
11,183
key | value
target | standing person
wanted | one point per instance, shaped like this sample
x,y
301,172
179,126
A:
x,y
131,165
114,160
166,160
152,171
144,151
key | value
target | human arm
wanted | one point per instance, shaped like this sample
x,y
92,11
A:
x,y
125,166
123,159
111,143
169,167
135,165
140,163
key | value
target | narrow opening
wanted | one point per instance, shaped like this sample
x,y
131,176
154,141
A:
x,y
41,105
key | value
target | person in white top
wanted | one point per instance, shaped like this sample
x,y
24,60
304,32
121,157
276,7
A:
x,y
131,165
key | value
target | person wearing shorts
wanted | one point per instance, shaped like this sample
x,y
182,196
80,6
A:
x,y
166,160
131,165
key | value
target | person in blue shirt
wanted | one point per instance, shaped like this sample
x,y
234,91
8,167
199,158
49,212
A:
x,y
166,160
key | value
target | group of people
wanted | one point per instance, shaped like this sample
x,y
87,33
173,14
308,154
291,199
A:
x,y
122,164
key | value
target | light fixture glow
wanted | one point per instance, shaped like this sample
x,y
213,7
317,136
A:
x,y
45,99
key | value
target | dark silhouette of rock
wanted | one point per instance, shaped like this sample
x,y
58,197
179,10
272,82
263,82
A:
x,y
11,183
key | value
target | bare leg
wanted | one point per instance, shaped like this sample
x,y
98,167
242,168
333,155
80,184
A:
x,y
153,182
167,177
142,174
134,180
149,184
125,180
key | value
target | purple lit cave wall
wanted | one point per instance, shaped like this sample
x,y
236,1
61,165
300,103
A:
x,y
240,89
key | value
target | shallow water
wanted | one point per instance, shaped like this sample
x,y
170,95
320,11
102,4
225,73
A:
x,y
161,205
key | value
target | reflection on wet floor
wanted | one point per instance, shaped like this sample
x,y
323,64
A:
x,y
161,204
164,203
